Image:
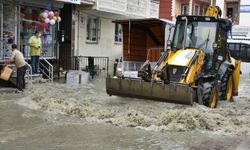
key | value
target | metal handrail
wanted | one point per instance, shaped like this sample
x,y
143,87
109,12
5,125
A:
x,y
29,73
50,69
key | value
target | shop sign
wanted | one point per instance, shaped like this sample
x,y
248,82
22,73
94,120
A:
x,y
245,8
71,1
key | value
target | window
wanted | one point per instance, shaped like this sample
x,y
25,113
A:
x,y
93,26
233,52
243,52
204,11
185,10
248,52
196,9
118,33
240,51
200,35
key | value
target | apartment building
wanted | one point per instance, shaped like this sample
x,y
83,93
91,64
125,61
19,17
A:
x,y
86,27
170,9
238,10
94,34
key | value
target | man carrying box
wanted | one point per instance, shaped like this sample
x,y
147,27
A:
x,y
20,63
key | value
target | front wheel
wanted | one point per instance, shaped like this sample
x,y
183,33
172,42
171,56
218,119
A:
x,y
230,89
227,86
210,95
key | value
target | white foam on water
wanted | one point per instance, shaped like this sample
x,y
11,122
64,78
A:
x,y
93,104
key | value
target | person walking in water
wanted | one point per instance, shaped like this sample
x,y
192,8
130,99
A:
x,y
20,63
35,44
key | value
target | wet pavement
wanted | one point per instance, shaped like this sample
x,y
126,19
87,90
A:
x,y
59,116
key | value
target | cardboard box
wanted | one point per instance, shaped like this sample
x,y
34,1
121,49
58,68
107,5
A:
x,y
6,73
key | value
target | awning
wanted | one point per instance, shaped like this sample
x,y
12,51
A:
x,y
88,2
150,21
71,1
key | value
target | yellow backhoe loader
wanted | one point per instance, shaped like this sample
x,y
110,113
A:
x,y
195,67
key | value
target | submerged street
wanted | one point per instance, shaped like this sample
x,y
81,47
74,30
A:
x,y
60,116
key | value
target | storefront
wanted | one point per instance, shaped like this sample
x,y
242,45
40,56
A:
x,y
20,19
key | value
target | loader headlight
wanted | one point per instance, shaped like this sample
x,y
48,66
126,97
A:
x,y
215,46
168,44
119,69
220,58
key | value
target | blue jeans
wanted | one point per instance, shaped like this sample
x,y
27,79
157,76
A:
x,y
35,64
229,34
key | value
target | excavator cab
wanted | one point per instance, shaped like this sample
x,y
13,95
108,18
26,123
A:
x,y
206,34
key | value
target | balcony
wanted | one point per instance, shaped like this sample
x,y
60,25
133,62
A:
x,y
206,1
112,6
130,8
154,9
89,2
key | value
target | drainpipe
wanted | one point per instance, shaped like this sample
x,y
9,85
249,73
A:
x,y
173,10
78,35
129,27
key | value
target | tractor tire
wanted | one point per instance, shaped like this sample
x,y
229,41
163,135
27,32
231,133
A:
x,y
209,95
227,86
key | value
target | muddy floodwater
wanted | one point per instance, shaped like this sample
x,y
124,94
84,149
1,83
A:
x,y
59,116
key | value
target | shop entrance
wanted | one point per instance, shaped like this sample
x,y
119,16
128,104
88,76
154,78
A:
x,y
66,49
29,23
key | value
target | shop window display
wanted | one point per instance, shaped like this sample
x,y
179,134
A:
x,y
8,29
29,23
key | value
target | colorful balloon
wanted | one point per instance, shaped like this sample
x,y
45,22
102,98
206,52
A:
x,y
56,14
50,17
46,11
45,15
59,19
52,22
51,13
47,20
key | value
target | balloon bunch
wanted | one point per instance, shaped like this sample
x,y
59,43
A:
x,y
49,17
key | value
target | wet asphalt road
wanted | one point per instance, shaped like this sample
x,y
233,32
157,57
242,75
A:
x,y
22,128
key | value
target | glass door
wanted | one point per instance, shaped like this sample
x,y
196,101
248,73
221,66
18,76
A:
x,y
1,31
8,28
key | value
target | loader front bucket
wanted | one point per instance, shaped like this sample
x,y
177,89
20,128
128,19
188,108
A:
x,y
137,88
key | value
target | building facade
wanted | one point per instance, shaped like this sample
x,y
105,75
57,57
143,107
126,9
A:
x,y
170,9
85,28
238,10
95,35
